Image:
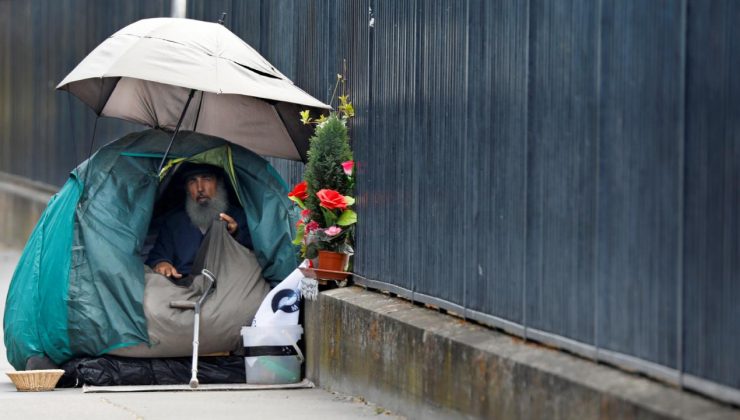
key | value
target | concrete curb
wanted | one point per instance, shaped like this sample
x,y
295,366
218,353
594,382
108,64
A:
x,y
21,201
424,364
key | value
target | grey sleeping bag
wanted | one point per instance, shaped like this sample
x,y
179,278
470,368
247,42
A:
x,y
238,293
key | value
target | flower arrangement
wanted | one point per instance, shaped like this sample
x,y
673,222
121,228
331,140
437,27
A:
x,y
325,196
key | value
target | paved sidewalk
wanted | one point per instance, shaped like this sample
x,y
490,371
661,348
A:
x,y
73,404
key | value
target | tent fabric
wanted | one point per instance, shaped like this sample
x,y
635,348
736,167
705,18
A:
x,y
238,293
35,304
79,286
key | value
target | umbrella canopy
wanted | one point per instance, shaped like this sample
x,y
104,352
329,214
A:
x,y
145,72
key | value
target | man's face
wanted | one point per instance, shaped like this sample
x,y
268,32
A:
x,y
202,187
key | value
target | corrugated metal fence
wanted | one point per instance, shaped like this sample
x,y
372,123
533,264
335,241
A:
x,y
565,170
45,133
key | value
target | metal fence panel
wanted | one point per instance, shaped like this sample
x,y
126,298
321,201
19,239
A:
x,y
388,180
5,75
20,103
353,60
562,171
281,46
264,27
46,133
712,201
243,17
437,157
497,104
236,18
638,224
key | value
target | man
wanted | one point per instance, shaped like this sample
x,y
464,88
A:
x,y
180,235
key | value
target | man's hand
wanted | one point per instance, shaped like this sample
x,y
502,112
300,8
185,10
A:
x,y
231,224
166,269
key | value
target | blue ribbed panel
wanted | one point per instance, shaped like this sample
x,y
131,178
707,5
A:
x,y
641,107
438,156
388,180
562,167
352,54
281,45
712,197
496,160
40,42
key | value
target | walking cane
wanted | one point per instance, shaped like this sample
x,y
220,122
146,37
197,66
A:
x,y
188,304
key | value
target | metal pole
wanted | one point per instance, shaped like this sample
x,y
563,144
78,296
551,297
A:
x,y
177,129
178,8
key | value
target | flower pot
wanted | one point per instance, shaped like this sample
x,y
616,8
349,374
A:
x,y
333,261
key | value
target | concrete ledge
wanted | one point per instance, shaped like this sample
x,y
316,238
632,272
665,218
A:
x,y
21,202
424,364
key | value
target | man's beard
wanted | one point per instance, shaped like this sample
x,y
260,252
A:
x,y
203,214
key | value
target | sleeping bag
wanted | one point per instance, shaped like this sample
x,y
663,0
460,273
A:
x,y
238,293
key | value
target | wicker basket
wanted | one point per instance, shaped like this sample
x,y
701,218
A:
x,y
35,380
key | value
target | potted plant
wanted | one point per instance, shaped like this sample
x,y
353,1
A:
x,y
325,230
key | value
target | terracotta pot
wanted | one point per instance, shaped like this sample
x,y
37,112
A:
x,y
334,261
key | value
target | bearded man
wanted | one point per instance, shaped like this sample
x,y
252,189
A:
x,y
180,235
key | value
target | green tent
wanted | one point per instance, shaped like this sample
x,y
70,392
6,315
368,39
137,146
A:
x,y
79,285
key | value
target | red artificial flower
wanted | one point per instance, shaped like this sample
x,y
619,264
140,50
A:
x,y
300,191
312,226
331,199
305,213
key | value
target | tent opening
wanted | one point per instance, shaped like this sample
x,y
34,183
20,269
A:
x,y
170,199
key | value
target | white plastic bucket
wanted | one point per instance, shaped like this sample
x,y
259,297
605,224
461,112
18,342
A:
x,y
271,354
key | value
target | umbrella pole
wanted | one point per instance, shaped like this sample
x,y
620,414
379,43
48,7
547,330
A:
x,y
177,129
89,152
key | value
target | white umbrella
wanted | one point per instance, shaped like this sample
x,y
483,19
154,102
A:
x,y
149,71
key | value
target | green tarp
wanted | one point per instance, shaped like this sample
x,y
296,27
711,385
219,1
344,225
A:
x,y
79,285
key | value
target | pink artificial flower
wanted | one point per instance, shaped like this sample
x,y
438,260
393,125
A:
x,y
348,166
333,231
312,226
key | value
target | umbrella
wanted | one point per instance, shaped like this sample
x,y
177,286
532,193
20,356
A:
x,y
150,71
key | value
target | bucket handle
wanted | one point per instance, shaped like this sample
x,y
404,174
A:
x,y
295,346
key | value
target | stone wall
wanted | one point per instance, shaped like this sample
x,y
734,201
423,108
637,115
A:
x,y
424,364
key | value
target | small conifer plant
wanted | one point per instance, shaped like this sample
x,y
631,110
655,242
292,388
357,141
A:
x,y
325,195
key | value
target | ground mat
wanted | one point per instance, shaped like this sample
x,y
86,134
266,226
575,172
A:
x,y
208,387
116,371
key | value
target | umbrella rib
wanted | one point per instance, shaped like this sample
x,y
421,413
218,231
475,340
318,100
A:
x,y
197,114
261,73
286,132
177,129
165,40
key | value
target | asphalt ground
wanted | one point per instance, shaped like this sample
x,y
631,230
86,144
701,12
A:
x,y
74,404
